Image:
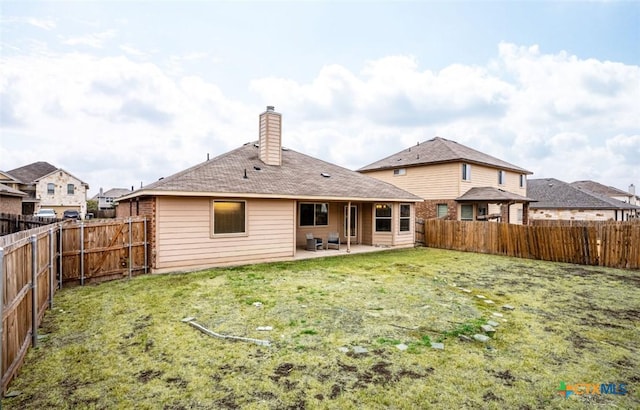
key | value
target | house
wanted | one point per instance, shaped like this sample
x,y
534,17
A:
x,y
48,186
106,199
558,200
456,182
259,202
10,200
609,191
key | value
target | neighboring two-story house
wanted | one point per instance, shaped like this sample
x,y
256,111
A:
x,y
47,186
456,182
106,199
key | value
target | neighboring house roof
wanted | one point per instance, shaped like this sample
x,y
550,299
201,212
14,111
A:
x,y
601,189
112,193
440,150
552,193
8,191
491,194
5,177
34,172
30,173
241,173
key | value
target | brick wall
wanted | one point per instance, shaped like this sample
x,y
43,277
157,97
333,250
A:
x,y
429,209
10,205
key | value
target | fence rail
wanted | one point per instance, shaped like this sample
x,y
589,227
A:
x,y
34,263
615,245
10,223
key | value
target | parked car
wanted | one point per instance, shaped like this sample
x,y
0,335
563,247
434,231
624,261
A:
x,y
71,214
45,213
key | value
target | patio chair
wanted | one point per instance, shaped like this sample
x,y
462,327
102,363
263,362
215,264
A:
x,y
314,243
333,240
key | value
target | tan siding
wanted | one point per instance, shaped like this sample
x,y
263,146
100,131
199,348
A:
x,y
184,239
444,181
429,182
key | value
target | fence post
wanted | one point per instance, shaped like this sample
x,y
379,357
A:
x,y
82,253
1,319
60,258
51,268
130,256
34,291
145,246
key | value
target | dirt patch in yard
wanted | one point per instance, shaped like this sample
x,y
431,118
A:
x,y
569,323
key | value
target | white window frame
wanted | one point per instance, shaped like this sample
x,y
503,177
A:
x,y
402,218
399,172
51,191
464,206
501,177
466,172
522,179
438,210
213,218
376,217
73,189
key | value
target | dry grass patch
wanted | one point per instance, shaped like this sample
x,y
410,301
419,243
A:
x,y
123,345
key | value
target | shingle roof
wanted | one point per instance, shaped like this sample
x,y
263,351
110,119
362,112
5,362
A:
x,y
598,188
299,176
8,191
439,150
29,173
552,193
491,194
113,193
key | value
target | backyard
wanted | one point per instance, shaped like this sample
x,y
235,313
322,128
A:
x,y
348,332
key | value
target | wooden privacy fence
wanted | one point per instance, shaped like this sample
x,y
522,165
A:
x,y
34,263
612,245
10,223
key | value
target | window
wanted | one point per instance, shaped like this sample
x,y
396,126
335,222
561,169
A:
x,y
71,189
405,217
51,188
442,210
522,180
383,218
519,215
229,217
466,212
466,172
501,176
399,171
314,214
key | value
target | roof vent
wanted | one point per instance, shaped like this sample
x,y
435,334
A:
x,y
256,145
271,108
245,174
324,174
257,168
285,149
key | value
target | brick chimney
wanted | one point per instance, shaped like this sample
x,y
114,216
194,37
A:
x,y
271,137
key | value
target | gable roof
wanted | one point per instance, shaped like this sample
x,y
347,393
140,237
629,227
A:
x,y
599,188
30,173
440,150
6,190
491,194
33,172
299,177
113,193
552,193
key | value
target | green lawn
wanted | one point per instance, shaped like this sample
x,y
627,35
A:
x,y
123,345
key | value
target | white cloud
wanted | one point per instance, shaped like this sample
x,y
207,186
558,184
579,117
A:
x,y
93,40
121,121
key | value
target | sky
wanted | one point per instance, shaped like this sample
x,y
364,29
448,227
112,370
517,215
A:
x,y
121,93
